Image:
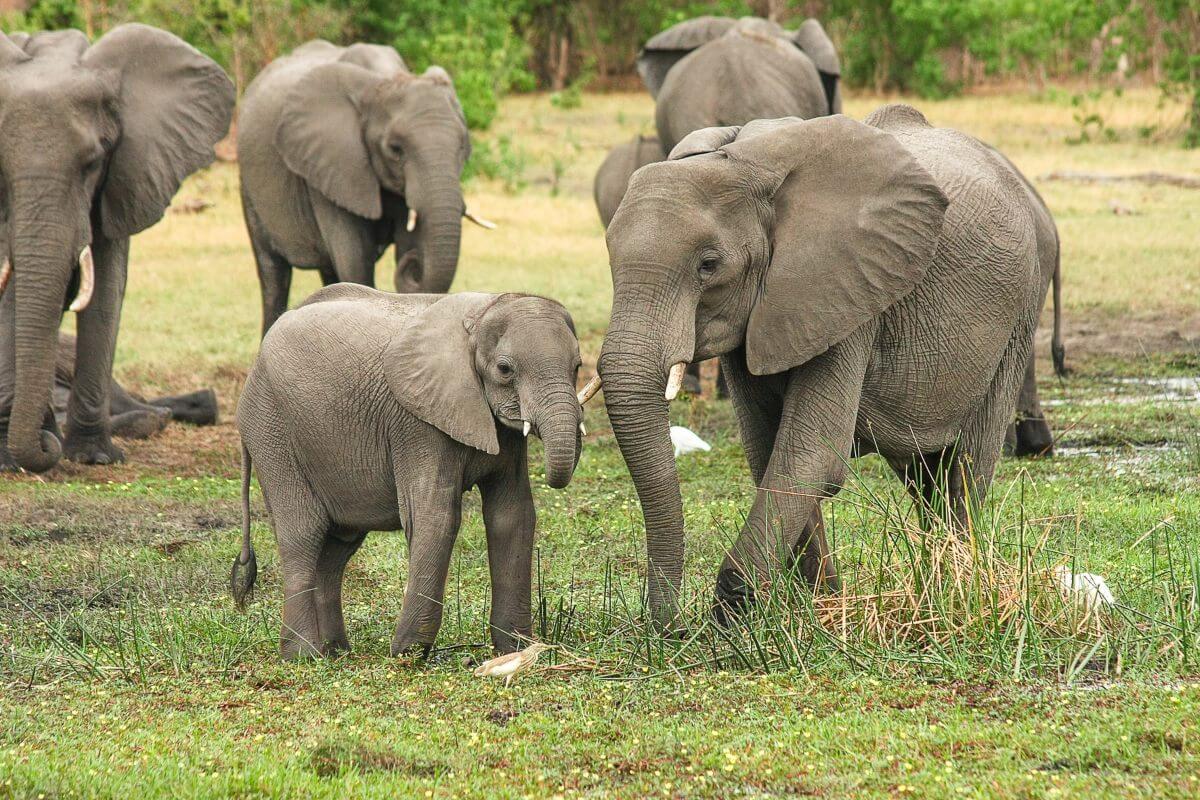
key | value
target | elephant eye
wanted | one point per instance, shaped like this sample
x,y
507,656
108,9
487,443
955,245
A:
x,y
505,369
395,149
708,265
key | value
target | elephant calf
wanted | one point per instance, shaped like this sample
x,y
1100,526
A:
x,y
371,411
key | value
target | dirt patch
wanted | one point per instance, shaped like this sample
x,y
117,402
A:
x,y
1091,334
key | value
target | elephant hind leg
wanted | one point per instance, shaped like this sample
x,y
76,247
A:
x,y
340,544
1030,434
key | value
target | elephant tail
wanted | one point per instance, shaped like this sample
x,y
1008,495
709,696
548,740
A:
x,y
245,565
1057,351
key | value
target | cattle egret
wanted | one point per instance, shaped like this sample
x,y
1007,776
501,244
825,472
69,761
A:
x,y
1089,589
686,441
508,666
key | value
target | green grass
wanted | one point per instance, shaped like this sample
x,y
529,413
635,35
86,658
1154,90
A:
x,y
945,669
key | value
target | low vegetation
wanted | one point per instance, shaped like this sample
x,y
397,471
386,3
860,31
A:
x,y
947,667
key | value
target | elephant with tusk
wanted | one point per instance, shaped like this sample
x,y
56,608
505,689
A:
x,y
95,139
343,153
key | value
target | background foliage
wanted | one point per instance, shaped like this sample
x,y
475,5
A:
x,y
929,47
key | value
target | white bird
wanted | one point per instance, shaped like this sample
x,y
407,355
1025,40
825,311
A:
x,y
1089,589
509,665
686,441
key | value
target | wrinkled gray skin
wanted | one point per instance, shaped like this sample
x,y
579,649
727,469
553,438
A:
x,y
132,417
369,411
94,142
713,71
618,166
868,287
335,145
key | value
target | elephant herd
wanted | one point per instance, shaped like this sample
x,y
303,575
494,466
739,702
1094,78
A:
x,y
868,287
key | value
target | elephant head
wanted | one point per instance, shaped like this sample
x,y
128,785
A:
x,y
471,359
669,47
94,142
780,238
355,134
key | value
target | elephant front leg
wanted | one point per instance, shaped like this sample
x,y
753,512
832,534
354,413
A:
x,y
432,526
89,428
808,464
510,519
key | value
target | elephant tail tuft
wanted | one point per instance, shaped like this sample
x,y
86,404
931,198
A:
x,y
245,565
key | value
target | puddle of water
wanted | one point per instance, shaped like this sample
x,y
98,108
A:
x,y
1184,389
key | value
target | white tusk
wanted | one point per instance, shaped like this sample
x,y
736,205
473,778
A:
x,y
480,221
528,427
412,220
5,274
589,390
582,429
674,380
87,281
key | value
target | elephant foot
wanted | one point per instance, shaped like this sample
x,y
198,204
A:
x,y
416,651
1033,439
7,462
296,648
197,408
140,424
336,647
734,597
92,450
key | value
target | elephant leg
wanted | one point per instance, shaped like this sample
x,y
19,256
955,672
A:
x,y
89,430
807,464
300,531
1031,434
340,544
691,378
139,424
197,408
758,403
432,526
935,482
349,242
274,272
509,518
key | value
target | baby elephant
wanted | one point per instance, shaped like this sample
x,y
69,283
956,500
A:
x,y
370,411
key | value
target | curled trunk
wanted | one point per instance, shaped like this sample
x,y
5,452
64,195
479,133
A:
x,y
558,428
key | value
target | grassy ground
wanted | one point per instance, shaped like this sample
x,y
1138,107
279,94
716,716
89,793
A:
x,y
944,670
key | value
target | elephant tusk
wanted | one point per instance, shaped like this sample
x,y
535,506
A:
x,y
5,274
674,380
528,427
412,220
480,221
589,390
87,281
582,429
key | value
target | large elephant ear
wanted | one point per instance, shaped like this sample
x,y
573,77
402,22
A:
x,y
430,368
377,58
320,136
811,38
705,140
664,50
175,105
857,222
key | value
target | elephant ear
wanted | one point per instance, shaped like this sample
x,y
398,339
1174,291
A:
x,y
705,140
175,105
857,222
664,50
430,368
811,38
376,58
320,136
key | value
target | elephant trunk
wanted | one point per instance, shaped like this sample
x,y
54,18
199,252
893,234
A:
x,y
558,428
634,377
435,194
43,257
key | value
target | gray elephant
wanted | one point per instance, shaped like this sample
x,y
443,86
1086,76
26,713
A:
x,y
369,411
132,417
868,288
613,176
344,152
94,142
723,71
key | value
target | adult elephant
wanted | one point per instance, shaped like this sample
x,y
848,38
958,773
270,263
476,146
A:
x,y
343,152
868,288
613,176
94,142
713,71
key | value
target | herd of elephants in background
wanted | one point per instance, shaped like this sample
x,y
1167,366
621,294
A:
x,y
869,286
